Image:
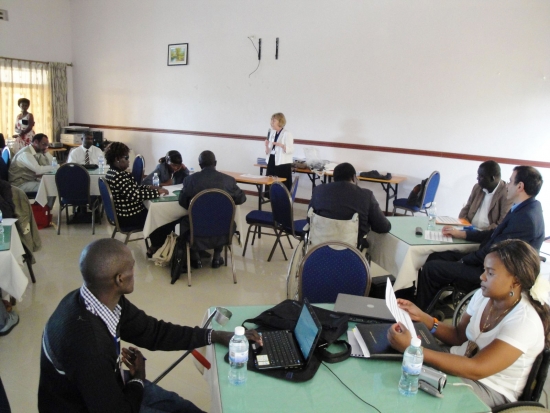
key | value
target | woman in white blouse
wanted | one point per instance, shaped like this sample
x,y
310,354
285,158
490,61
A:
x,y
505,326
279,147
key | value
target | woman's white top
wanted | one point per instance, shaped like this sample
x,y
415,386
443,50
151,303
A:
x,y
282,156
521,328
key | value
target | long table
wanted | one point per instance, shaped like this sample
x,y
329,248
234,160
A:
x,y
375,381
258,181
390,186
12,278
402,253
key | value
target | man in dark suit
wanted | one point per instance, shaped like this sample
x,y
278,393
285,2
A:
x,y
342,198
207,178
524,222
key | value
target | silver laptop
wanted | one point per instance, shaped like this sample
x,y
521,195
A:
x,y
363,309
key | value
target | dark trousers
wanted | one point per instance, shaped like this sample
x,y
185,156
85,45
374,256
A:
x,y
282,171
158,236
442,269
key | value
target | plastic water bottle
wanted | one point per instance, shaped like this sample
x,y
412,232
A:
x,y
156,180
432,215
1,224
101,163
412,366
54,163
238,357
191,171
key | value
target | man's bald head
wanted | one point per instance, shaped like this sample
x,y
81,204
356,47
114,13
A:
x,y
101,260
206,159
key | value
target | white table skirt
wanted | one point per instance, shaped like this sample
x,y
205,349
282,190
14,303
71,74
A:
x,y
48,188
403,260
161,213
12,278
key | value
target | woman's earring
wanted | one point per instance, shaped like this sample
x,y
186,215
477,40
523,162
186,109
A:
x,y
512,293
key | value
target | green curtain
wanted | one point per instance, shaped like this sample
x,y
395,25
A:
x,y
58,88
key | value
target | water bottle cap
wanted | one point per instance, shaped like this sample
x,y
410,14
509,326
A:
x,y
239,331
415,342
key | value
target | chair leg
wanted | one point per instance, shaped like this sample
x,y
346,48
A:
x,y
93,220
393,212
59,218
188,264
289,243
225,254
246,242
114,232
277,241
256,228
127,238
67,215
28,259
232,263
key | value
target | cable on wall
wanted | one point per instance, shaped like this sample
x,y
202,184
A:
x,y
258,52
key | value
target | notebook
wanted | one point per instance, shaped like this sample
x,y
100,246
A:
x,y
363,309
373,341
443,220
284,349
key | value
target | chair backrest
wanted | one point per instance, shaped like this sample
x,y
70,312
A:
x,y
332,268
294,188
211,214
431,190
137,169
6,155
73,184
535,381
108,202
323,229
281,207
4,175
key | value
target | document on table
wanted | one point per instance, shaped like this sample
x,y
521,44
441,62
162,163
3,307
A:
x,y
251,176
399,314
437,236
172,188
450,221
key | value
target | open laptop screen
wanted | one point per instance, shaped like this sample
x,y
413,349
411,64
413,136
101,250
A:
x,y
306,331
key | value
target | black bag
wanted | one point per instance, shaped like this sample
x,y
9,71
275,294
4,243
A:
x,y
284,317
179,260
417,193
374,174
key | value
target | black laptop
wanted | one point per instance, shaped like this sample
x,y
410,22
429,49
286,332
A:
x,y
284,349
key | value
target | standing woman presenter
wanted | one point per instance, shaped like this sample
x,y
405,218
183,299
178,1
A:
x,y
279,146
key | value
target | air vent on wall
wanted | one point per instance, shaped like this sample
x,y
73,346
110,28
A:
x,y
4,15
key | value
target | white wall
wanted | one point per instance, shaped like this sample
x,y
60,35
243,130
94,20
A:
x,y
38,30
469,77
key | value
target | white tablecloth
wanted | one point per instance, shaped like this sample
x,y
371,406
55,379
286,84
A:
x,y
48,188
161,213
12,278
403,260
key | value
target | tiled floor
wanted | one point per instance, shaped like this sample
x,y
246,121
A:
x,y
259,282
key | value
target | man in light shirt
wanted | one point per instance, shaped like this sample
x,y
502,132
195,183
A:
x,y
487,205
87,154
30,163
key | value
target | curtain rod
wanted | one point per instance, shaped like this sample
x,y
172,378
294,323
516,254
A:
x,y
32,61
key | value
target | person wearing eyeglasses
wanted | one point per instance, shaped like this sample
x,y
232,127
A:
x,y
170,170
129,196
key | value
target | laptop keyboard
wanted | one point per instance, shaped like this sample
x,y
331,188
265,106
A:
x,y
279,348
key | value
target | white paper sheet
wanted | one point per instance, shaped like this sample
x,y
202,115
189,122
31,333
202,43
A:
x,y
9,221
172,188
437,236
253,176
400,315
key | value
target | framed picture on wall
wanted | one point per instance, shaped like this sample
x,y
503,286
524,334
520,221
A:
x,y
177,54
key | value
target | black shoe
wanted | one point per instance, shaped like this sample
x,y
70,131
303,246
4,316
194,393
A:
x,y
217,262
196,264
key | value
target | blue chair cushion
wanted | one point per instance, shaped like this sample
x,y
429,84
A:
x,y
299,225
402,203
259,217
